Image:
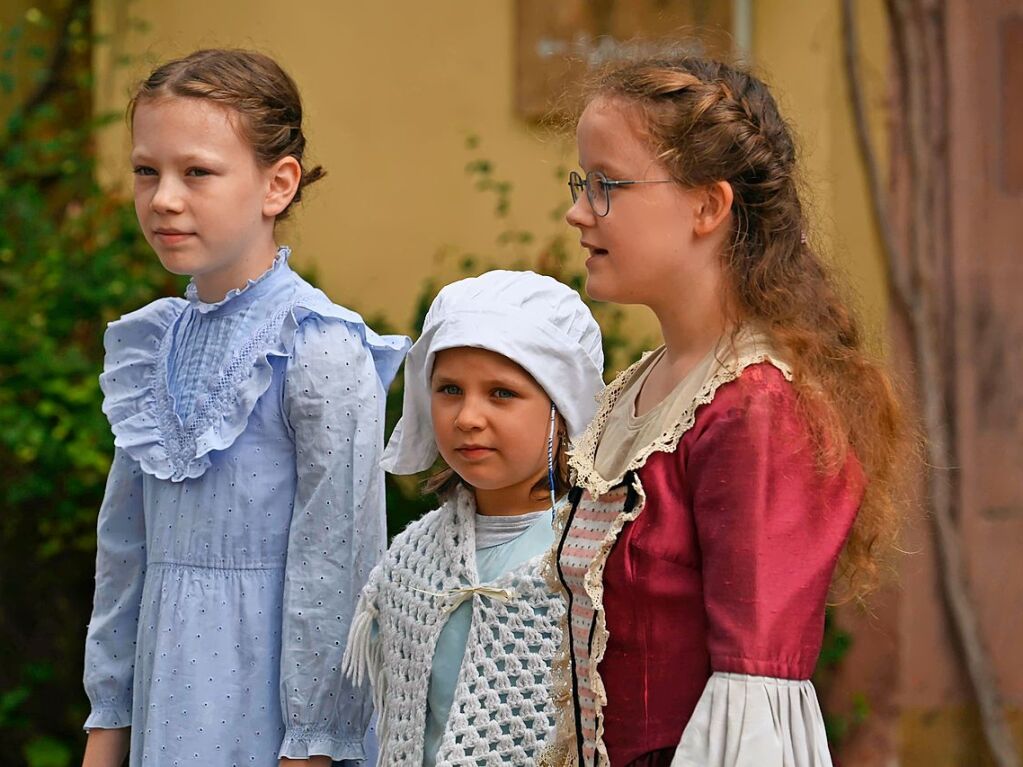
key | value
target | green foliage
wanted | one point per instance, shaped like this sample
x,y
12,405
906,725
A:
x,y
839,726
836,646
71,259
837,643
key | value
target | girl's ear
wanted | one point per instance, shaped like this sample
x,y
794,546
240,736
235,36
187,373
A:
x,y
714,203
284,177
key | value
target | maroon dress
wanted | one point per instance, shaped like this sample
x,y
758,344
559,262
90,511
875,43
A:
x,y
726,568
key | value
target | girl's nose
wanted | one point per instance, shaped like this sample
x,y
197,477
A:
x,y
167,198
470,416
580,214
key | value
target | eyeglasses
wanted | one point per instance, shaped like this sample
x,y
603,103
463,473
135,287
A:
x,y
598,189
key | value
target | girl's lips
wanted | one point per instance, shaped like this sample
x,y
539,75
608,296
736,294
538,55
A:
x,y
474,453
173,238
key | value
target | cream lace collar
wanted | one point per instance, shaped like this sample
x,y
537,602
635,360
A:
x,y
749,347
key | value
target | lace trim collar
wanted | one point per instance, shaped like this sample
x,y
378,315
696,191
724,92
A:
x,y
231,298
749,348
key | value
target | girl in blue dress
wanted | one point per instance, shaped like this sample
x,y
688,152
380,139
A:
x,y
245,504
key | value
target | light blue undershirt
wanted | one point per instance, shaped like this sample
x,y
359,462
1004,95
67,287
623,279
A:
x,y
506,545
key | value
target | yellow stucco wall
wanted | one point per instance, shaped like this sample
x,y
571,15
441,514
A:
x,y
393,89
797,48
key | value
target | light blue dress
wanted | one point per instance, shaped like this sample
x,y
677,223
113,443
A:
x,y
243,513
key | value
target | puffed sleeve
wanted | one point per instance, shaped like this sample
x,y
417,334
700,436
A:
x,y
120,571
334,402
770,525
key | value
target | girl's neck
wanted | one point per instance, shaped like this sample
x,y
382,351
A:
x,y
212,286
512,501
692,323
692,304
689,342
691,326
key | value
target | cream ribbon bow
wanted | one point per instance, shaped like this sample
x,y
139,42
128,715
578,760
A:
x,y
455,597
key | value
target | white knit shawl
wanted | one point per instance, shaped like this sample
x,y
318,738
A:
x,y
502,712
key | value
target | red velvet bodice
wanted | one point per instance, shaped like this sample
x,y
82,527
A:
x,y
728,566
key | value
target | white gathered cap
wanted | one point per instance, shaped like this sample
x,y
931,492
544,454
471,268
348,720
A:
x,y
532,320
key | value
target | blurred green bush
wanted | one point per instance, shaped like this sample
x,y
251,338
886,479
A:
x,y
71,259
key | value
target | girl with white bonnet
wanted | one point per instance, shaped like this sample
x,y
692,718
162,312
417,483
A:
x,y
456,628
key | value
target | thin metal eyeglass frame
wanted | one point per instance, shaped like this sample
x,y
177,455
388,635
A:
x,y
575,181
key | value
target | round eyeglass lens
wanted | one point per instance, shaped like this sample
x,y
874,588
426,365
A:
x,y
597,191
575,185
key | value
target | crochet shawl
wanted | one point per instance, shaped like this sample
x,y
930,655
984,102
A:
x,y
502,712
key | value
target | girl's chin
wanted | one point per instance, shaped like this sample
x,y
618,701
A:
x,y
175,266
485,481
599,289
176,262
490,482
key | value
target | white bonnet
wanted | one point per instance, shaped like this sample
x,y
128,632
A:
x,y
533,320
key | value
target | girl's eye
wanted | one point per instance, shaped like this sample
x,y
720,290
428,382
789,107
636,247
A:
x,y
448,389
198,172
143,170
504,393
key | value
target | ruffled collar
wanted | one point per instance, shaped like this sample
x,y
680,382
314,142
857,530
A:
x,y
137,400
238,298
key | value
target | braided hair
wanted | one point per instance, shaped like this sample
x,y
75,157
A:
x,y
708,121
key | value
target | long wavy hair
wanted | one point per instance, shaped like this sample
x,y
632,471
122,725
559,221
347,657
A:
x,y
709,121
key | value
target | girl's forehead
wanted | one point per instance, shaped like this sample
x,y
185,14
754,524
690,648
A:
x,y
475,362
196,109
185,119
611,132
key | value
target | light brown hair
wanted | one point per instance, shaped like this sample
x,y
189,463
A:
x,y
709,121
253,85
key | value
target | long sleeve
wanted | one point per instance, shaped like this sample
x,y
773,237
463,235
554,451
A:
x,y
334,403
120,571
770,525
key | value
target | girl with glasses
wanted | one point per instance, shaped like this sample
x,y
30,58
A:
x,y
726,472
456,629
245,504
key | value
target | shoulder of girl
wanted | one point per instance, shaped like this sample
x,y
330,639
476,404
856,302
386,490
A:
x,y
760,386
763,378
144,326
343,333
161,309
